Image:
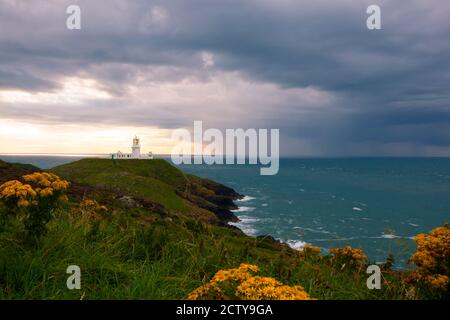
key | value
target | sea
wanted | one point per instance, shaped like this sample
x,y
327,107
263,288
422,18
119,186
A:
x,y
377,204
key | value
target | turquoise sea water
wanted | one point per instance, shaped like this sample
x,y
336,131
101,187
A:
x,y
378,204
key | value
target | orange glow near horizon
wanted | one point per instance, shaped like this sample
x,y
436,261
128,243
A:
x,y
24,137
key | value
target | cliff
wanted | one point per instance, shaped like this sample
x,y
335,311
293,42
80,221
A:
x,y
155,233
155,184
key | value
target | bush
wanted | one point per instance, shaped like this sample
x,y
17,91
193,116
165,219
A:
x,y
433,261
349,256
34,200
241,284
92,213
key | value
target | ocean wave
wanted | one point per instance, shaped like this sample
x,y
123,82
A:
x,y
295,244
245,227
243,209
357,209
312,230
245,223
388,236
392,236
245,199
248,219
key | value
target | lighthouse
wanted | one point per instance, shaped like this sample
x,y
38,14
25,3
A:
x,y
136,148
135,152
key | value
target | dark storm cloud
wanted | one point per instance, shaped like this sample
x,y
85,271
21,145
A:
x,y
390,88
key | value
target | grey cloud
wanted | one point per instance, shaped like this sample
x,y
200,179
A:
x,y
391,86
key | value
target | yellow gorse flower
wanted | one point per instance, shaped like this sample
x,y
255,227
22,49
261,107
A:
x,y
247,286
47,180
433,259
351,255
22,195
39,185
311,249
266,288
91,206
432,249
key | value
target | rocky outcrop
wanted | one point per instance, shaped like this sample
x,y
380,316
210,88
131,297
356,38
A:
x,y
214,197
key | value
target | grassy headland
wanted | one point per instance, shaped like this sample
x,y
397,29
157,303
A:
x,y
162,234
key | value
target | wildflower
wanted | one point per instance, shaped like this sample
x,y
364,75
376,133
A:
x,y
350,255
22,203
433,260
35,199
245,285
311,249
46,192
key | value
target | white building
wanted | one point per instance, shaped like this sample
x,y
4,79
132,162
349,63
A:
x,y
135,152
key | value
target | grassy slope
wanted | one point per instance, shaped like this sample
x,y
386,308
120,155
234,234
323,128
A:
x,y
137,253
156,180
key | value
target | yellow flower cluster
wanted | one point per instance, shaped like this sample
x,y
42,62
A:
x,y
21,194
47,182
89,205
433,259
432,249
92,209
350,255
212,289
40,185
310,251
247,286
265,288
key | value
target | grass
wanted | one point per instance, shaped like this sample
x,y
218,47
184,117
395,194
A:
x,y
128,259
139,254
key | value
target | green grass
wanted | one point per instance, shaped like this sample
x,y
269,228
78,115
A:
x,y
87,170
128,259
155,180
139,254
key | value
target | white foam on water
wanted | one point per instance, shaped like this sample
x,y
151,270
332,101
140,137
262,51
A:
x,y
246,228
357,209
247,219
243,209
388,236
245,199
413,224
264,205
296,244
245,223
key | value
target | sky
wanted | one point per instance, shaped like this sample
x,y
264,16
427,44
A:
x,y
311,69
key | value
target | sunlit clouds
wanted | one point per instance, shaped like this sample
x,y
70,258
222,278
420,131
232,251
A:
x,y
309,68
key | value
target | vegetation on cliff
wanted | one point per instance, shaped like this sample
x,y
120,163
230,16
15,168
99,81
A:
x,y
146,230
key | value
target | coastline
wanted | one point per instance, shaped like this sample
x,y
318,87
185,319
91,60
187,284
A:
x,y
245,225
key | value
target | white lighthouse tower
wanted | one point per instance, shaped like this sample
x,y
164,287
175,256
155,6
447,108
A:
x,y
135,152
136,148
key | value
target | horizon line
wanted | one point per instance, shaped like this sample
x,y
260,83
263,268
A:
x,y
61,154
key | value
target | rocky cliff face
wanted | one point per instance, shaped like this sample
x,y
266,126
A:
x,y
213,196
